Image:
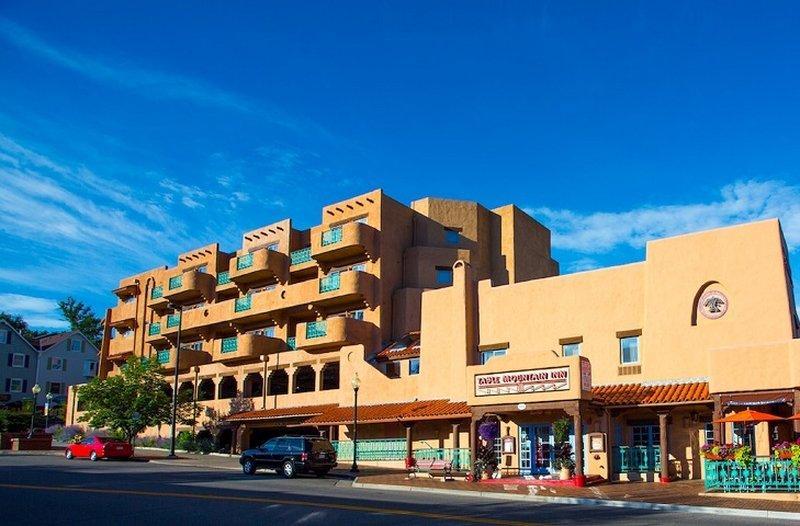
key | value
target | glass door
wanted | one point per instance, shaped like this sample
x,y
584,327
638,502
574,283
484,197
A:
x,y
536,449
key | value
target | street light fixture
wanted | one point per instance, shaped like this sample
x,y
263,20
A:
x,y
356,383
35,390
175,381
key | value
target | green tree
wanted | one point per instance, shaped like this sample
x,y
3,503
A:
x,y
21,326
82,318
129,402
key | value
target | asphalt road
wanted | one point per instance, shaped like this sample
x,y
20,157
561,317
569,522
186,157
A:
x,y
42,490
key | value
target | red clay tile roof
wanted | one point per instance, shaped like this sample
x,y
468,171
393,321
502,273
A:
x,y
47,341
405,347
638,394
408,411
284,412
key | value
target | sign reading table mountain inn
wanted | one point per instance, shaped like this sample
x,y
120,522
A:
x,y
517,382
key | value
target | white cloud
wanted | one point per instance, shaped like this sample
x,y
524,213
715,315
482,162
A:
x,y
602,232
37,312
582,264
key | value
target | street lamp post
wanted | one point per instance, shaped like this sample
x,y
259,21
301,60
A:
x,y
49,400
35,390
175,381
356,383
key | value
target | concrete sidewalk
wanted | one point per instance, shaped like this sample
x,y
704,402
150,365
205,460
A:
x,y
684,496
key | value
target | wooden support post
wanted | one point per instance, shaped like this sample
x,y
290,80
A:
x,y
409,444
577,424
663,445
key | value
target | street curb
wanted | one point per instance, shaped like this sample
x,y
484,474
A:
x,y
648,506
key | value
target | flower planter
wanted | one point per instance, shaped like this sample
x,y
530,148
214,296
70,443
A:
x,y
565,474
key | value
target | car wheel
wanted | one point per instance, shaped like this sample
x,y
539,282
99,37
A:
x,y
249,467
288,469
68,454
93,457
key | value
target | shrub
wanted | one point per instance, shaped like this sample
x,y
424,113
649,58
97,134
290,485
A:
x,y
185,440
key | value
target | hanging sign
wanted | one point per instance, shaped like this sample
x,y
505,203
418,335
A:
x,y
518,382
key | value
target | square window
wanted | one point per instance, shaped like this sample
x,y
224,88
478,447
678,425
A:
x,y
452,236
269,331
75,345
491,353
413,366
629,349
571,349
16,385
359,267
17,360
357,314
444,275
393,369
55,388
273,246
202,268
89,368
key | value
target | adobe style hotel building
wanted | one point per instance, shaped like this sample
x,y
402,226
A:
x,y
450,314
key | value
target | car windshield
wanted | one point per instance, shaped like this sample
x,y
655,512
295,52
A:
x,y
321,445
103,440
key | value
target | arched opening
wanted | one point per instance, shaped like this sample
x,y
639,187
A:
x,y
168,391
304,379
227,387
330,376
186,389
205,389
278,382
253,385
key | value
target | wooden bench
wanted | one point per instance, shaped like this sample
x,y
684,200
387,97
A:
x,y
436,468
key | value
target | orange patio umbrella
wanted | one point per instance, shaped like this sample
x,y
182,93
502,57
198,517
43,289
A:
x,y
749,416
794,417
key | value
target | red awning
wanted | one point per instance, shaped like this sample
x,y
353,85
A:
x,y
405,347
749,416
401,412
284,412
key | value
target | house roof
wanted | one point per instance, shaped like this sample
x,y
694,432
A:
x,y
642,394
47,341
398,412
284,412
21,337
405,347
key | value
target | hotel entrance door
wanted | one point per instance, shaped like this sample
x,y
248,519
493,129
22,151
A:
x,y
537,451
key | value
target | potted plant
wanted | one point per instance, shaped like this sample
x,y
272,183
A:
x,y
485,463
564,461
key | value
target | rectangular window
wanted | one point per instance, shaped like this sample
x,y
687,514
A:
x,y
452,236
359,267
571,349
708,432
89,368
413,366
269,331
444,275
357,314
54,388
113,333
56,364
393,369
4,336
629,349
193,346
17,360
362,220
129,299
202,268
488,354
75,345
15,385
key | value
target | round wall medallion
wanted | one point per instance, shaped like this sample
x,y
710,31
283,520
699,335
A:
x,y
521,406
713,304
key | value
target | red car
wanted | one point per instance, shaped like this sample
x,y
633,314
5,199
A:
x,y
95,448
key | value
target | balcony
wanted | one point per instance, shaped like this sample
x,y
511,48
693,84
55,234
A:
x,y
124,315
246,347
224,281
189,358
343,241
189,286
260,265
346,287
333,332
120,347
157,300
153,332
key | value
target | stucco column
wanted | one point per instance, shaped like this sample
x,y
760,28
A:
x,y
332,433
473,440
236,439
456,438
577,425
409,444
719,429
663,422
610,442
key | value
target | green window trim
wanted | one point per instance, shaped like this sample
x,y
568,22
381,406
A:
x,y
163,356
300,256
157,292
243,262
176,282
330,282
316,329
242,304
291,343
154,328
173,320
332,236
223,278
229,344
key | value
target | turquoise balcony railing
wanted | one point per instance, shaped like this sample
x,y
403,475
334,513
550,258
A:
x,y
332,236
329,283
762,475
223,278
230,344
176,282
300,256
157,292
636,459
243,303
291,342
154,328
173,320
460,457
316,329
372,449
163,356
243,262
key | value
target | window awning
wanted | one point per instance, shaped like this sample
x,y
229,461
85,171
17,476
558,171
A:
x,y
400,412
659,394
280,413
402,349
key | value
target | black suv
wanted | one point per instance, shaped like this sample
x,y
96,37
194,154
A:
x,y
290,455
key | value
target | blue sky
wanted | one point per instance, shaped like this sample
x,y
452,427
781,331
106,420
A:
x,y
128,135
